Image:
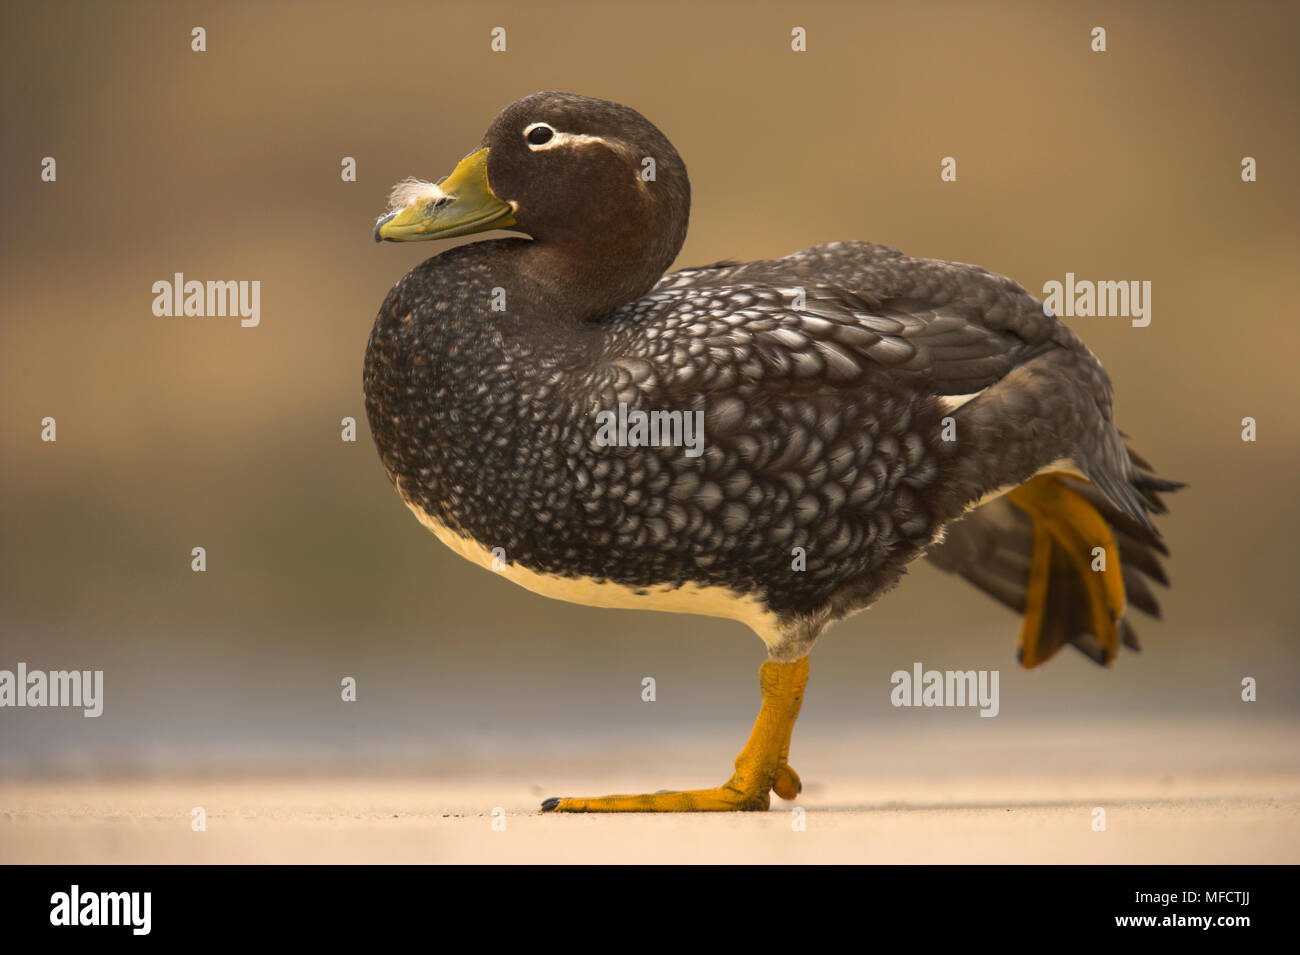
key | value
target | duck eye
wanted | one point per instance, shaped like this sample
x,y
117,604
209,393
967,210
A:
x,y
539,134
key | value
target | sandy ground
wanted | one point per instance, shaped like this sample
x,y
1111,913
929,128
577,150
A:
x,y
1189,798
407,821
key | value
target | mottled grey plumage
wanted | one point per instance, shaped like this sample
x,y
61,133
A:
x,y
824,378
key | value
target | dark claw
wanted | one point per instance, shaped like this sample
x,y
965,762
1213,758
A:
x,y
550,804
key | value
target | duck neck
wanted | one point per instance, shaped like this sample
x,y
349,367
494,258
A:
x,y
587,274
587,280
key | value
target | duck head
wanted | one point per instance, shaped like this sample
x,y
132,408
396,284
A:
x,y
600,190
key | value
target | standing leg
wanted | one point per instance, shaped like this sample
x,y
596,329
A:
x,y
761,768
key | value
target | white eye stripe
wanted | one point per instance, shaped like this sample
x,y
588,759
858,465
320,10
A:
x,y
564,139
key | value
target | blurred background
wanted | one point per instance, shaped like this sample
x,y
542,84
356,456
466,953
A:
x,y
182,432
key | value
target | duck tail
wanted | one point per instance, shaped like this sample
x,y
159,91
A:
x,y
1059,550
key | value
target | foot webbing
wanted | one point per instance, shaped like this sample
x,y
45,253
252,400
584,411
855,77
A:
x,y
1064,522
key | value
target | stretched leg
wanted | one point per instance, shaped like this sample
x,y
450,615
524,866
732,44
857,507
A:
x,y
1068,527
761,767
